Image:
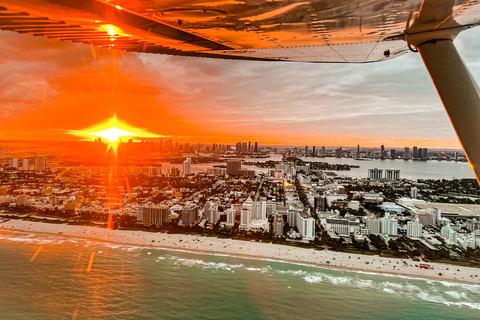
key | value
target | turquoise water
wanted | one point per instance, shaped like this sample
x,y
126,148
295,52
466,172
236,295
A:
x,y
143,283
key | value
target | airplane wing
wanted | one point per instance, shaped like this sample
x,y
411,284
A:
x,y
290,30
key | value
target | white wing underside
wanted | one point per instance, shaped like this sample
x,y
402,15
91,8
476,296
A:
x,y
306,31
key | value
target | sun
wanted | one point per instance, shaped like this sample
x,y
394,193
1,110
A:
x,y
113,130
113,134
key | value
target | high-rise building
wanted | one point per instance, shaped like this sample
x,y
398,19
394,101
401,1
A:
x,y
472,225
358,151
420,154
306,151
392,154
415,152
392,174
41,163
414,229
375,173
189,215
389,226
256,210
249,146
292,216
382,152
211,212
261,210
25,164
338,152
389,174
238,147
13,163
156,171
319,204
396,174
256,146
278,224
244,147
324,152
338,225
449,234
406,153
230,216
427,219
374,225
153,215
174,172
414,192
245,217
233,167
313,152
425,154
187,166
168,146
306,225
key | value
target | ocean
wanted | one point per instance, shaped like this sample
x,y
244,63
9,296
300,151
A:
x,y
54,277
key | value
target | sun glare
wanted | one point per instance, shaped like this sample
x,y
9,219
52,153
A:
x,y
113,134
112,131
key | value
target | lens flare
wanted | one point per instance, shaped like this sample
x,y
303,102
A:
x,y
113,130
113,134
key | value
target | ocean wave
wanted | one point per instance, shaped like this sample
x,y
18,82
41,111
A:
x,y
339,280
205,264
471,305
426,296
388,290
364,283
319,278
462,286
35,240
114,246
314,279
456,294
130,248
262,270
392,285
433,292
293,272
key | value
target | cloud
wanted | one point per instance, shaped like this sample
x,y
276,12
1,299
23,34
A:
x,y
58,85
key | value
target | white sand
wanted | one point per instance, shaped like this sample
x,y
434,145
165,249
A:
x,y
257,250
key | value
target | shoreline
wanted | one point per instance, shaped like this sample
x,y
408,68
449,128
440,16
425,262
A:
x,y
371,264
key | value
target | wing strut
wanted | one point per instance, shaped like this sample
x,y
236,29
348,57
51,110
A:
x,y
459,93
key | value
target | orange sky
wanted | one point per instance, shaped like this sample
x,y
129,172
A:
x,y
52,87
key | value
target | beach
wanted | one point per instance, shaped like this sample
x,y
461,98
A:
x,y
256,250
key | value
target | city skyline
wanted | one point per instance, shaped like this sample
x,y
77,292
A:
x,y
66,86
